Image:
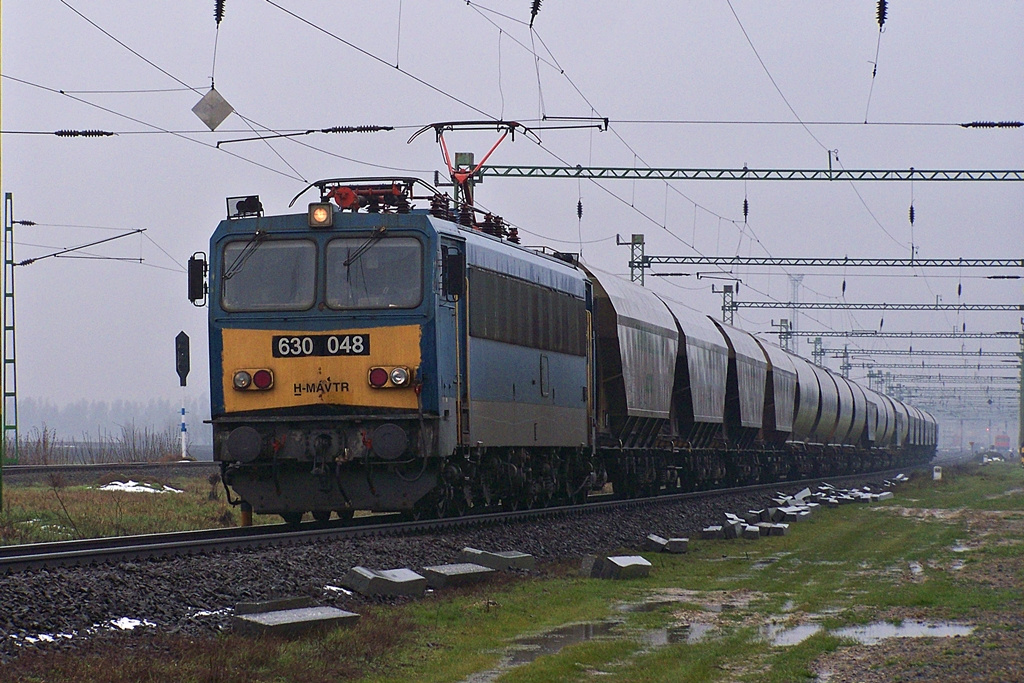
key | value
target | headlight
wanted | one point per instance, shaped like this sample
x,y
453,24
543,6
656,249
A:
x,y
399,376
242,380
321,215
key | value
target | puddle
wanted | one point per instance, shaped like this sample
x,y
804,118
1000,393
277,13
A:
x,y
650,606
691,634
872,633
526,650
782,635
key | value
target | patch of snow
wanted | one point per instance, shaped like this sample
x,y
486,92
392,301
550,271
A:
x,y
132,486
128,624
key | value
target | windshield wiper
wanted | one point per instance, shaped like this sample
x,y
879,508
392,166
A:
x,y
365,246
248,250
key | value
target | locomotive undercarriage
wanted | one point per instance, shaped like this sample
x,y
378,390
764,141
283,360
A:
x,y
510,478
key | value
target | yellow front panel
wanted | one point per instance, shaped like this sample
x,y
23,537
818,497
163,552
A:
x,y
319,380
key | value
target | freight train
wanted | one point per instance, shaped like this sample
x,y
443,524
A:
x,y
367,354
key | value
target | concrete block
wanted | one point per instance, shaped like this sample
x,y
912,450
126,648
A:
x,y
733,530
501,561
766,514
730,518
451,575
615,567
752,516
712,532
388,582
677,545
273,605
779,514
765,528
779,530
655,543
803,495
885,495
290,622
751,532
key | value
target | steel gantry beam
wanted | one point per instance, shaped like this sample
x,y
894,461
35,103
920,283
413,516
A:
x,y
907,335
738,261
845,306
987,380
838,353
929,366
629,173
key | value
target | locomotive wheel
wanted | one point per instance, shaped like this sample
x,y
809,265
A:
x,y
292,518
322,516
345,515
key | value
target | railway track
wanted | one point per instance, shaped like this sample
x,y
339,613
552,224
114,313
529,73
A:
x,y
18,558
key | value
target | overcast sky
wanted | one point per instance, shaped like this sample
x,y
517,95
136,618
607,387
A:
x,y
105,329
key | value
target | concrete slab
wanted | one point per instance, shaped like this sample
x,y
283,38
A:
x,y
460,574
751,532
615,567
390,582
654,543
712,532
677,545
500,561
290,622
885,495
273,605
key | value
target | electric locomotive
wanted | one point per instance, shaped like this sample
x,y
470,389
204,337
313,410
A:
x,y
368,355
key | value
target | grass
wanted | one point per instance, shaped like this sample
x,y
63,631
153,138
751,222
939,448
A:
x,y
58,512
845,566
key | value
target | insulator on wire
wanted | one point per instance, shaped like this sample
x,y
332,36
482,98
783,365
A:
x,y
911,214
844,286
746,209
881,324
959,289
82,133
579,210
882,10
218,11
355,129
993,124
534,8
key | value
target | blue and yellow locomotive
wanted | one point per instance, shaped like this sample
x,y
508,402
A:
x,y
366,355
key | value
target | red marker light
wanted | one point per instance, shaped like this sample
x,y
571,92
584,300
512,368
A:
x,y
378,377
262,379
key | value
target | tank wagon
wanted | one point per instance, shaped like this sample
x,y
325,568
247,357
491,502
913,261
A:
x,y
369,355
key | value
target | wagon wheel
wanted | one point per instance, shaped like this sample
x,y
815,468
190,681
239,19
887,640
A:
x,y
292,519
322,516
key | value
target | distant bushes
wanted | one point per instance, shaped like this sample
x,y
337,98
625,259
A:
x,y
42,446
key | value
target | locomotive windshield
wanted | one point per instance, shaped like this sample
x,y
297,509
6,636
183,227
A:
x,y
273,275
374,273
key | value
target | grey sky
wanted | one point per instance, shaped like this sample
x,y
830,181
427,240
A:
x,y
104,329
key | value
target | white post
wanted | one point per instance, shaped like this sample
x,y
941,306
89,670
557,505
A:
x,y
184,433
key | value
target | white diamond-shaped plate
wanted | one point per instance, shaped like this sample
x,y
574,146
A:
x,y
212,109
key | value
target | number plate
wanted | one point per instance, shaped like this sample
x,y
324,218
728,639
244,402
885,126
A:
x,y
321,345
